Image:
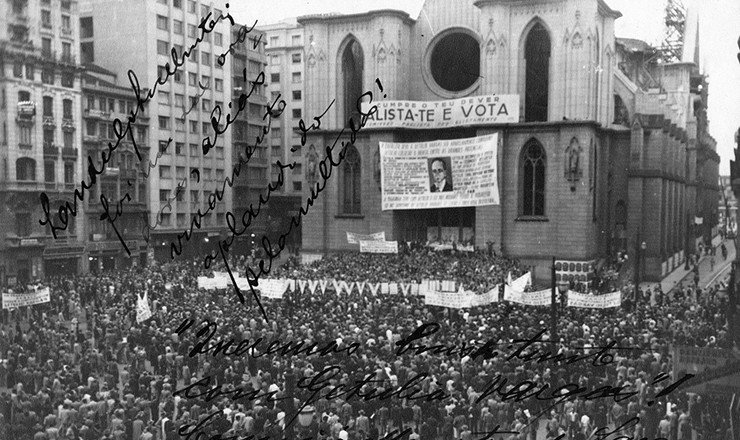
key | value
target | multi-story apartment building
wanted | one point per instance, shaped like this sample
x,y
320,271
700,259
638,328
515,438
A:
x,y
123,182
285,78
39,137
119,38
248,127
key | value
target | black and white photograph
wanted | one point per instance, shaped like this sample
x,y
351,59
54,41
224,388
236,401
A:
x,y
369,220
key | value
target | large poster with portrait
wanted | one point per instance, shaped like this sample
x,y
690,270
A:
x,y
439,174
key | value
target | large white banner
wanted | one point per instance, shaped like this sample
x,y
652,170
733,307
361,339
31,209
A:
x,y
143,312
15,300
272,288
474,110
461,299
439,174
353,238
539,298
379,247
583,300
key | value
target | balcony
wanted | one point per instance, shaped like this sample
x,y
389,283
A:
x,y
45,25
51,151
68,124
25,146
67,32
128,174
93,113
48,121
69,152
26,109
67,58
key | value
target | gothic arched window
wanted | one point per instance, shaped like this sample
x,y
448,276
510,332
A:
x,y
350,182
533,179
537,76
352,66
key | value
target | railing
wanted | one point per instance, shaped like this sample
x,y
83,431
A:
x,y
49,121
51,150
66,31
25,146
69,152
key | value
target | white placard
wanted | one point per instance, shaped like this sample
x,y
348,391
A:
x,y
539,298
379,247
473,110
353,238
15,300
583,300
271,288
439,174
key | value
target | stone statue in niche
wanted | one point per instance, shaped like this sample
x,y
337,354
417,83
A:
x,y
573,171
312,165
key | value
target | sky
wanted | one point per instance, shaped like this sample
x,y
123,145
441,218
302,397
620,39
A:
x,y
643,19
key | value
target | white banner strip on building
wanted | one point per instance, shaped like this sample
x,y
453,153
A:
x,y
460,299
15,300
474,110
439,174
583,300
353,238
379,247
271,288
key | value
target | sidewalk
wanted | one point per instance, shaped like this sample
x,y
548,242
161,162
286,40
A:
x,y
707,276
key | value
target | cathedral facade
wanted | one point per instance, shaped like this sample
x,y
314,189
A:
x,y
591,158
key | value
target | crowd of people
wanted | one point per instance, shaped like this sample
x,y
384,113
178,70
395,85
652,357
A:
x,y
81,367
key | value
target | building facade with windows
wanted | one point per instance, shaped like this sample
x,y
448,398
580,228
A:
x,y
182,177
39,138
575,182
285,78
123,183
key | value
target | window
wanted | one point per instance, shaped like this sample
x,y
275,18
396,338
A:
x,y
219,152
352,82
162,23
193,126
164,122
48,137
206,127
67,52
141,134
180,216
165,172
350,188
162,47
537,74
47,76
18,70
297,186
204,10
46,19
23,224
87,52
24,134
179,100
296,150
25,169
275,77
90,103
29,71
295,40
193,193
297,170
275,60
192,79
194,149
69,172
206,81
179,124
219,174
191,6
177,27
50,171
206,105
68,80
219,85
454,63
207,174
163,97
66,23
205,58
218,39
48,106
166,218
273,41
533,179
296,58
297,113
180,174
163,146
191,31
177,4
178,77
164,195
92,128
69,139
103,104
86,27
296,95
296,77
